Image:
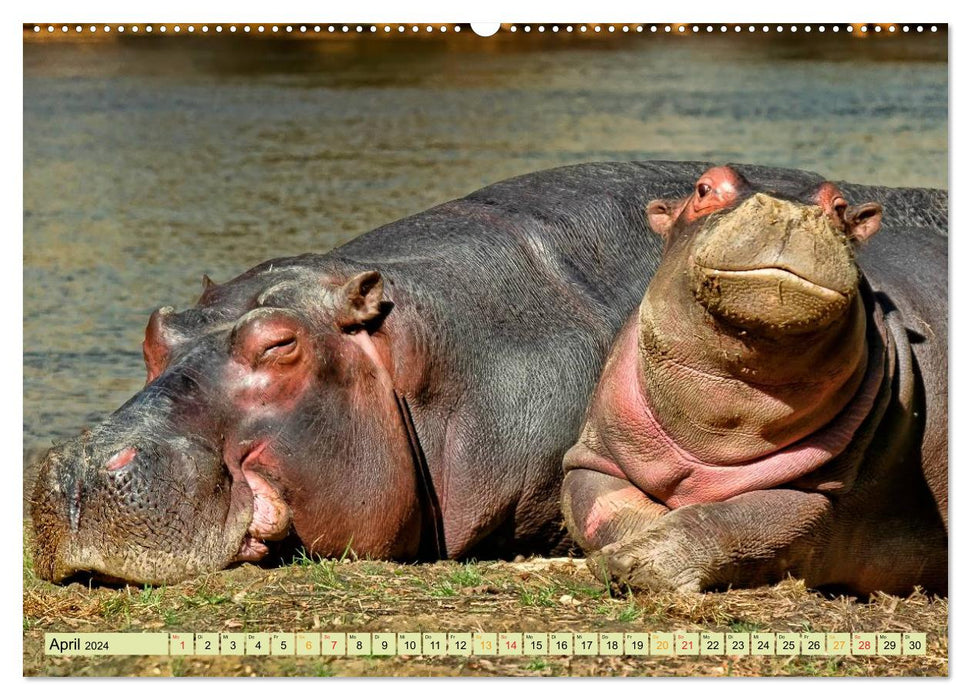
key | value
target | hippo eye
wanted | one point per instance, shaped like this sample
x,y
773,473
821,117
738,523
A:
x,y
703,189
280,349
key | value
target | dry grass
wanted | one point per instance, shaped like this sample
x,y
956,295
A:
x,y
536,595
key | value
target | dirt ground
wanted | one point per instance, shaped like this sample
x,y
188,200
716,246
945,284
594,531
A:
x,y
533,595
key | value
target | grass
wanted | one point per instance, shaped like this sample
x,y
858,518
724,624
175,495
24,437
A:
x,y
629,613
536,665
535,595
466,575
205,597
443,589
538,597
323,572
322,670
464,579
132,603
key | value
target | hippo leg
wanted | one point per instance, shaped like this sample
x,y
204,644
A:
x,y
602,509
750,540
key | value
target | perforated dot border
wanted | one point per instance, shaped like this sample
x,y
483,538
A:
x,y
255,29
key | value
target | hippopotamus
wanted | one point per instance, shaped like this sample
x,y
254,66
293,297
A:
x,y
406,396
777,404
409,395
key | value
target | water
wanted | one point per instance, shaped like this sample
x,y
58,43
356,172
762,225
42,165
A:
x,y
148,162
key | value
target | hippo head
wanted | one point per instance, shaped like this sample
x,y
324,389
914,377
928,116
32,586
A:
x,y
269,412
771,258
753,333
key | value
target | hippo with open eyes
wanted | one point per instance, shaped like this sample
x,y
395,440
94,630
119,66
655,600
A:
x,y
409,395
778,403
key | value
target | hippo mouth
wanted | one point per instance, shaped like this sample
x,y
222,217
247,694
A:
x,y
271,516
770,299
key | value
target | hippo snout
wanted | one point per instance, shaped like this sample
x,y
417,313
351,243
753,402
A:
x,y
128,510
775,267
55,511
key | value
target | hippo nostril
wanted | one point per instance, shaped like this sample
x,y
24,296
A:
x,y
121,459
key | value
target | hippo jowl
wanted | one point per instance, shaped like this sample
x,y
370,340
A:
x,y
409,395
770,410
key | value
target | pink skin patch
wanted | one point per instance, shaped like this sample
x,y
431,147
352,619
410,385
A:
x,y
716,189
640,451
606,507
121,459
829,197
271,516
271,368
252,549
366,344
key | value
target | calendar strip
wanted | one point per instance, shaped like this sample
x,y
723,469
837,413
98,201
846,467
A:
x,y
347,644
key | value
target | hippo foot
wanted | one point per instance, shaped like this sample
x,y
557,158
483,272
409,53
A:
x,y
656,562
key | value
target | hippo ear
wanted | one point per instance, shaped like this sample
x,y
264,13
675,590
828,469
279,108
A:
x,y
207,286
362,304
863,220
662,213
159,342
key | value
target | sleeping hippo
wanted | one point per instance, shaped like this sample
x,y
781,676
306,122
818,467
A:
x,y
407,396
778,403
